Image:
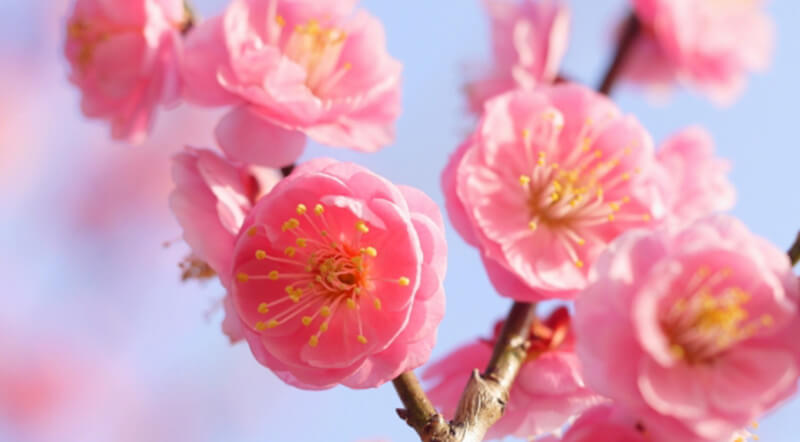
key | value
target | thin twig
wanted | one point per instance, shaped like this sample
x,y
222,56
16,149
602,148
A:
x,y
794,251
630,33
485,396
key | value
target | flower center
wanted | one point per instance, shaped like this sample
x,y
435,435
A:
x,y
333,273
711,319
569,197
317,49
87,38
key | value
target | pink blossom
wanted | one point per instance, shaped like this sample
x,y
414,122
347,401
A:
x,y
545,182
311,66
547,392
700,43
211,200
698,180
695,331
123,58
339,277
529,39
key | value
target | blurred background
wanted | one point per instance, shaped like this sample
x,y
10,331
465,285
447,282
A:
x,y
101,341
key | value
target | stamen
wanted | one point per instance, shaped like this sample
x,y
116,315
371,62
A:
x,y
403,281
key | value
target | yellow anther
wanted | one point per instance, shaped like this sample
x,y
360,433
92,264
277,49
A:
x,y
586,144
626,199
403,281
262,308
301,242
766,320
301,209
260,254
579,263
371,251
313,341
319,209
555,196
532,225
754,425
323,233
323,327
260,326
614,206
290,251
272,323
295,298
524,180
356,260
325,311
280,20
646,217
611,217
377,304
242,277
252,231
581,241
361,226
273,275
306,320
526,133
351,304
677,351
347,66
626,176
362,339
557,185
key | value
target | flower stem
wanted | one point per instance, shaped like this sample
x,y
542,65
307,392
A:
x,y
794,251
630,34
485,396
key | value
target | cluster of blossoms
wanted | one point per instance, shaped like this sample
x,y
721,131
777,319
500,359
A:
x,y
683,325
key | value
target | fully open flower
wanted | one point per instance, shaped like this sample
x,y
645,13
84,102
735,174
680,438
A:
x,y
211,199
697,327
304,65
339,277
123,56
547,180
547,392
700,43
697,180
529,39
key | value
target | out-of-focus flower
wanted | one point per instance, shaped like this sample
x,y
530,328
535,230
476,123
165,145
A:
x,y
123,57
339,277
700,43
548,179
697,328
529,39
305,65
609,422
698,179
211,200
547,392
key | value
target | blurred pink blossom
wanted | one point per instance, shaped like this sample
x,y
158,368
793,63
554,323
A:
x,y
547,180
123,58
548,391
697,328
700,43
698,179
339,277
311,66
529,40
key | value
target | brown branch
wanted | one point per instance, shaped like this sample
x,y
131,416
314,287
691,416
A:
x,y
794,251
485,396
630,33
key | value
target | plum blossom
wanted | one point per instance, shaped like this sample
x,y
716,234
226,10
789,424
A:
x,y
306,65
547,180
529,40
696,178
211,199
338,277
699,43
549,388
693,330
124,58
